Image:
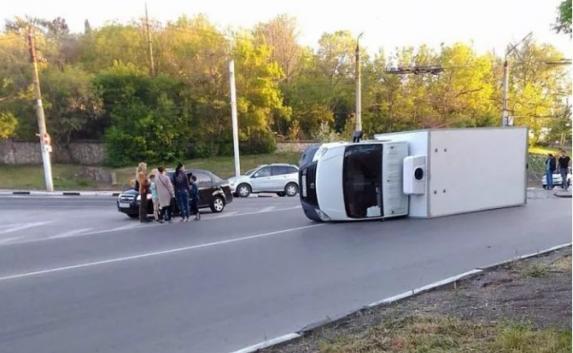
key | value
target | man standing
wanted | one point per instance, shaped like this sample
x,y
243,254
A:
x,y
563,163
549,169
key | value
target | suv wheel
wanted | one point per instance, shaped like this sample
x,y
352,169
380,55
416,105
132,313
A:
x,y
291,189
218,204
243,190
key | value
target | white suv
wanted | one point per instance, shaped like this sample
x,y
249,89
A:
x,y
281,179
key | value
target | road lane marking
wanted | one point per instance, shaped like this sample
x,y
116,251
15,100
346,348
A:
x,y
263,210
70,233
22,226
6,240
130,226
154,253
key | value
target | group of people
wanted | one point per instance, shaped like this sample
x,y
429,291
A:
x,y
167,192
561,164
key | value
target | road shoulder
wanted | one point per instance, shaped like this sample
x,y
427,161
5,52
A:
x,y
521,306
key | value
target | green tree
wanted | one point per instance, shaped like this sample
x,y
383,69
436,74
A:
x,y
563,22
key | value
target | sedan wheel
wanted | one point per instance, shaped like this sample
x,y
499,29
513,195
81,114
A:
x,y
243,190
291,189
218,204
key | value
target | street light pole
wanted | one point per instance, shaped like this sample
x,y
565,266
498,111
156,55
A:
x,y
44,137
234,118
505,119
505,111
358,129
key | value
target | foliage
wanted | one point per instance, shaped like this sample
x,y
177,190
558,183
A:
x,y
97,85
8,124
145,114
563,17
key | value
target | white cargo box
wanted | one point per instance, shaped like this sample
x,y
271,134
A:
x,y
463,170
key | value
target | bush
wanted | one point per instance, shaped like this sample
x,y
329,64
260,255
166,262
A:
x,y
261,141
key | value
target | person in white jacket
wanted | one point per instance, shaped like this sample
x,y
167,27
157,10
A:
x,y
165,193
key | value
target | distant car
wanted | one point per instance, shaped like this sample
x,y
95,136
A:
x,y
556,180
281,179
214,193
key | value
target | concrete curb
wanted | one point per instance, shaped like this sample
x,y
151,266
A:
x,y
60,193
288,337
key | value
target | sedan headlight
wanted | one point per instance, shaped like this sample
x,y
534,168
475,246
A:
x,y
138,198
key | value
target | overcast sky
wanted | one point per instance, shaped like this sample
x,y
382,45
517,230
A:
x,y
488,24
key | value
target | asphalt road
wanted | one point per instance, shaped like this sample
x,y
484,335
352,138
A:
x,y
76,276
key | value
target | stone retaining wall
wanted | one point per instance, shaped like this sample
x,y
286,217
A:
x,y
17,152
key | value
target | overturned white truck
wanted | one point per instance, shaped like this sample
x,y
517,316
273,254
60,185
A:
x,y
423,173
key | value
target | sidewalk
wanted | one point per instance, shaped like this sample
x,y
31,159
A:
x,y
111,193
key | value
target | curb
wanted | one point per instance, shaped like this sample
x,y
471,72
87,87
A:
x,y
60,193
300,333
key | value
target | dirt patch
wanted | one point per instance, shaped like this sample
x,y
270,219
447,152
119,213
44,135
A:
x,y
522,307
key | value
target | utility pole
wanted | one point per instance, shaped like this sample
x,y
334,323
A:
x,y
234,118
506,120
505,109
44,137
149,44
357,135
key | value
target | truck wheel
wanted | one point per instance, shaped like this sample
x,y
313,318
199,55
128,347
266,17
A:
x,y
291,189
243,190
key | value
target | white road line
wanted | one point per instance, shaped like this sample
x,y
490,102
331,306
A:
x,y
117,229
263,210
22,226
6,240
267,209
153,253
70,233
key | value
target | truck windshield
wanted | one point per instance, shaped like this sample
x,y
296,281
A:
x,y
361,178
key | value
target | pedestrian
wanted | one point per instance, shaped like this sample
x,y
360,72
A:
x,y
165,194
143,188
549,169
154,195
563,163
182,189
195,198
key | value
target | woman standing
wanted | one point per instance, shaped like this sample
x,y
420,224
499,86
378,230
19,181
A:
x,y
143,183
182,189
165,193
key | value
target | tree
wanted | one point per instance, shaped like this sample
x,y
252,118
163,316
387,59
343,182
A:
x,y
563,22
280,35
146,115
8,124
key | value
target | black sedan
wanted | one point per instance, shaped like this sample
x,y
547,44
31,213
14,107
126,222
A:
x,y
214,193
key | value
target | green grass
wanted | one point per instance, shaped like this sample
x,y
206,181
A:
x,y
543,150
440,334
66,176
31,177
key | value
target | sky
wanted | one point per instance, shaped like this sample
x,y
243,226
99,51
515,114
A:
x,y
486,24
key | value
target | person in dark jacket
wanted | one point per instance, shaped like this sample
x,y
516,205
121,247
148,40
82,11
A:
x,y
550,165
195,198
182,189
563,164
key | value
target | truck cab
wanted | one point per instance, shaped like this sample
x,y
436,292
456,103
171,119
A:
x,y
354,181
